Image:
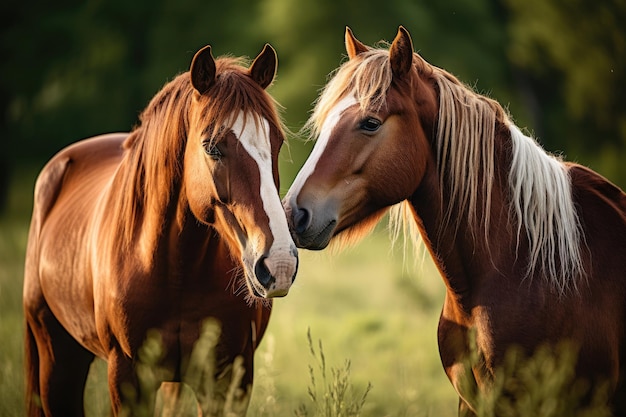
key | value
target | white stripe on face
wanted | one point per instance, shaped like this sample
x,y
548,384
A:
x,y
318,149
255,139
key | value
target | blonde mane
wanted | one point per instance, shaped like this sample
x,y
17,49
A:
x,y
367,77
539,185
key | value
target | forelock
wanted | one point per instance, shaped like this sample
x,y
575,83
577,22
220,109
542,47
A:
x,y
367,77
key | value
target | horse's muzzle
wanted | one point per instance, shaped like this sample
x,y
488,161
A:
x,y
309,229
275,273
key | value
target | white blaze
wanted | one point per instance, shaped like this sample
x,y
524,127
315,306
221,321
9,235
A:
x,y
318,149
255,139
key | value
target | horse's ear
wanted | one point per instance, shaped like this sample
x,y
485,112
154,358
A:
x,y
263,69
202,70
353,45
401,53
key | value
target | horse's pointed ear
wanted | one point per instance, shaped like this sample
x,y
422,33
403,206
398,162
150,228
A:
x,y
401,53
263,69
202,70
353,45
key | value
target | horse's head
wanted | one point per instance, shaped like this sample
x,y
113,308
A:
x,y
231,166
374,121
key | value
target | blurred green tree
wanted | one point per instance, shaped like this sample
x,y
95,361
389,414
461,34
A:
x,y
73,69
467,38
570,61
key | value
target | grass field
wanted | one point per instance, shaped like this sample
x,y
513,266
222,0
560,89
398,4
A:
x,y
364,304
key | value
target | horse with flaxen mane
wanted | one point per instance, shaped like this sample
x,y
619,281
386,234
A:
x,y
532,249
159,230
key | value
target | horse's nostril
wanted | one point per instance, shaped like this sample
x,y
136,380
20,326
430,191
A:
x,y
301,220
262,273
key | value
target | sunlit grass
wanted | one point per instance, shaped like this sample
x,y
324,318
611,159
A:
x,y
542,385
13,235
330,389
366,307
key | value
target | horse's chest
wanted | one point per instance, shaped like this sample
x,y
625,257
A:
x,y
148,299
147,303
178,316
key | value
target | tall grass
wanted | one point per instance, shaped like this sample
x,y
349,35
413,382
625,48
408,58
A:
x,y
13,235
333,395
211,395
330,390
543,385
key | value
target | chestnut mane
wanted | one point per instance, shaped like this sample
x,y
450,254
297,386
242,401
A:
x,y
151,171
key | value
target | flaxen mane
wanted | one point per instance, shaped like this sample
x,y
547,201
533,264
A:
x,y
151,168
539,184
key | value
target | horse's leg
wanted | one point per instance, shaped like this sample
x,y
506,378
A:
x,y
119,372
619,398
230,391
465,410
126,389
176,400
57,367
170,394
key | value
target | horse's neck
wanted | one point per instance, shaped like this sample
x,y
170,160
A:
x,y
446,250
160,231
184,239
461,252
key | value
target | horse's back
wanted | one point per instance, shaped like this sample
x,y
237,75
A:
x,y
71,163
589,185
602,213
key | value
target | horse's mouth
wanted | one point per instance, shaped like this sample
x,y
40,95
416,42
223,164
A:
x,y
252,286
257,289
313,240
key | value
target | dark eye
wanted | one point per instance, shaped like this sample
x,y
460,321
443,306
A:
x,y
212,150
370,124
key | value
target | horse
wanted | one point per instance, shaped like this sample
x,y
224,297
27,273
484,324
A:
x,y
157,231
531,249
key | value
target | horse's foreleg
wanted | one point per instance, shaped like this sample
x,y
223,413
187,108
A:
x,y
227,392
177,400
135,394
618,403
465,410
57,369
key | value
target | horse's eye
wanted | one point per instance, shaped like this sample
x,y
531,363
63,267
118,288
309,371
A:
x,y
212,150
370,124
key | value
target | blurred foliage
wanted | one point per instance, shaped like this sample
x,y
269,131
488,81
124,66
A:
x,y
72,69
543,383
570,61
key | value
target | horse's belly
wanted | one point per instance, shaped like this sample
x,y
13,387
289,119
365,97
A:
x,y
67,287
486,340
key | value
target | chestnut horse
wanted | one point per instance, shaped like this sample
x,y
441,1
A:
x,y
532,250
158,230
